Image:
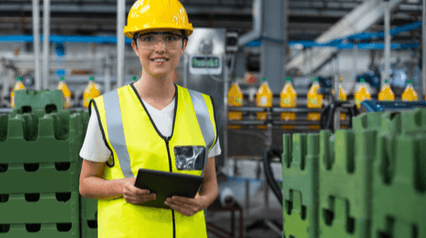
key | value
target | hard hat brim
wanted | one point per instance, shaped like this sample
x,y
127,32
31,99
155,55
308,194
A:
x,y
129,32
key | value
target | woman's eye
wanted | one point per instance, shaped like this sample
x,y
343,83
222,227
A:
x,y
148,39
171,38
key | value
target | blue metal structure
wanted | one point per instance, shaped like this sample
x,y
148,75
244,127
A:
x,y
59,39
342,43
345,42
379,106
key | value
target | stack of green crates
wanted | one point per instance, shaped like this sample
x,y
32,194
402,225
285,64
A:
x,y
89,207
369,181
39,167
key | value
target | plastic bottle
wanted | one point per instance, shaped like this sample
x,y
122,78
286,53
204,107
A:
x,y
18,86
235,99
66,93
386,93
90,92
263,99
314,101
361,93
343,98
409,93
288,99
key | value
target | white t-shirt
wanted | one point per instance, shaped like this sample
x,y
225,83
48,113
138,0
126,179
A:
x,y
94,148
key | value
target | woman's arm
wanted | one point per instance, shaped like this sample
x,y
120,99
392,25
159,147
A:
x,y
92,185
209,189
207,195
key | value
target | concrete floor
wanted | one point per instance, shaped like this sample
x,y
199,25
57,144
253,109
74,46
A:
x,y
256,210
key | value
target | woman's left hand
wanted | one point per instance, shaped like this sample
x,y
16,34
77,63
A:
x,y
186,206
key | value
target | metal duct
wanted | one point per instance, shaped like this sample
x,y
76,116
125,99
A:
x,y
257,24
358,20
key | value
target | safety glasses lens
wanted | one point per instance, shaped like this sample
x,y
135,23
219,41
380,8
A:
x,y
170,41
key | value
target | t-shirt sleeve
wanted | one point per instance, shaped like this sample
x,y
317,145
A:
x,y
94,148
216,150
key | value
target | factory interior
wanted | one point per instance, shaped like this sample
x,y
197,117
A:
x,y
296,159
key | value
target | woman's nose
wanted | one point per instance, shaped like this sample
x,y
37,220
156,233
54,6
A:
x,y
160,47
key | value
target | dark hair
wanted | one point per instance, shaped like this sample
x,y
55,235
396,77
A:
x,y
134,38
185,37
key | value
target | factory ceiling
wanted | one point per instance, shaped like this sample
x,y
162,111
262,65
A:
x,y
307,19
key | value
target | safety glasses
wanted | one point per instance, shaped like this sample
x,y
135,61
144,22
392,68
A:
x,y
170,40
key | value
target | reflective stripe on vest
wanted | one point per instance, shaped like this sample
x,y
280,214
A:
x,y
116,132
203,118
114,125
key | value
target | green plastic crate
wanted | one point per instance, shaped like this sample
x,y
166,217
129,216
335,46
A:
x,y
40,208
49,100
300,185
55,137
345,183
367,121
41,230
89,219
89,208
39,177
336,223
89,229
399,187
414,121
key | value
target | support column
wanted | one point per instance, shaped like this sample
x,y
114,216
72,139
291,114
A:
x,y
386,9
108,65
422,81
355,61
121,11
274,43
46,43
36,44
240,63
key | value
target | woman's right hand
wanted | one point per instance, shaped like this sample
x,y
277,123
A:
x,y
136,195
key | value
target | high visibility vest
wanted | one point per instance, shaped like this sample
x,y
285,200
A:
x,y
135,143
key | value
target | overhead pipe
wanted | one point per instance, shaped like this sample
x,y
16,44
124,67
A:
x,y
46,43
257,24
121,8
386,10
36,43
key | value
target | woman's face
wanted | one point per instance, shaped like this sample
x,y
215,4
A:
x,y
161,60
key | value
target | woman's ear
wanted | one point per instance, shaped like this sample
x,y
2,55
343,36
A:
x,y
135,47
185,43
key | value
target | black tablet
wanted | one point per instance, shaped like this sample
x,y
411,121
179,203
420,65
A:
x,y
167,184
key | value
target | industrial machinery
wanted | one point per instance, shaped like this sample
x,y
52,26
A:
x,y
202,68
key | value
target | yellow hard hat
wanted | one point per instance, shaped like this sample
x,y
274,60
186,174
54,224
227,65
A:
x,y
157,14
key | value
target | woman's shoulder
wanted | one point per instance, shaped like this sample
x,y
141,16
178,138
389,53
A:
x,y
191,91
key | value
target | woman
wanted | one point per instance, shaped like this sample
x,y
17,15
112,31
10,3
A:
x,y
146,125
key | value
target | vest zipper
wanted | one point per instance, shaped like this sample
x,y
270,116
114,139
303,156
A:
x,y
170,167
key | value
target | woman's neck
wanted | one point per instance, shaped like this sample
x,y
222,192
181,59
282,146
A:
x,y
157,91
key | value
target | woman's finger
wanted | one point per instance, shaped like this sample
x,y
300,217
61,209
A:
x,y
178,208
185,200
177,203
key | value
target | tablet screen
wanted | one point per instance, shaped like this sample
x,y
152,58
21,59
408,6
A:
x,y
167,184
